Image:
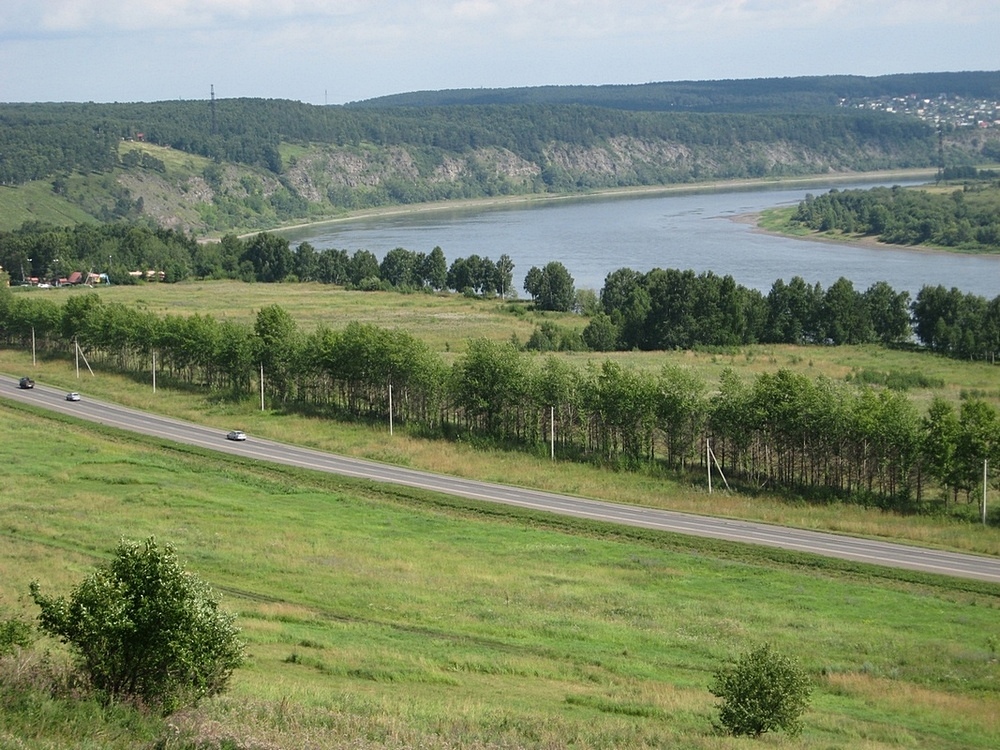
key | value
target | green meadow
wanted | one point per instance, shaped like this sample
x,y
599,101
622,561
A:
x,y
35,201
382,617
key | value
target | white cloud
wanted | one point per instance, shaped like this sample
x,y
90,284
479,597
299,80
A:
x,y
62,16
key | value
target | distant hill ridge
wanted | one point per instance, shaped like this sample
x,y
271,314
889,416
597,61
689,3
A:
x,y
732,95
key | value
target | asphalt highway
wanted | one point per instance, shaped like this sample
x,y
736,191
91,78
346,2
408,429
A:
x,y
890,554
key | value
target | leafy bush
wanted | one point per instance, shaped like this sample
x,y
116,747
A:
x,y
146,630
549,337
761,692
15,634
896,380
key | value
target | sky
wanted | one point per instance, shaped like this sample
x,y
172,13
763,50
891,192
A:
x,y
338,51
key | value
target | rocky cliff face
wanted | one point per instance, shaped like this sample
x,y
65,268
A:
x,y
324,167
324,180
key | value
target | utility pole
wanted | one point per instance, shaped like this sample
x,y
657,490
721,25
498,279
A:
x,y
986,462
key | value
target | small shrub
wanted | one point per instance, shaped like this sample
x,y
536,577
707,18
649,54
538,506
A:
x,y
15,634
145,630
761,692
896,380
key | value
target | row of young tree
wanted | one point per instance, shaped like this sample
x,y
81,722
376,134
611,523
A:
x,y
780,430
966,218
672,309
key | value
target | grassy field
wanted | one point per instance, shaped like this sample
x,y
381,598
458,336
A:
x,y
383,617
177,163
446,322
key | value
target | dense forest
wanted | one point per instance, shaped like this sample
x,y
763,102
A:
x,y
826,439
41,140
794,94
671,309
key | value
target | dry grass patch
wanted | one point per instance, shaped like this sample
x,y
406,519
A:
x,y
444,321
910,700
279,612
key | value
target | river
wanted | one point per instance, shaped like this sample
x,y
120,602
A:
x,y
699,231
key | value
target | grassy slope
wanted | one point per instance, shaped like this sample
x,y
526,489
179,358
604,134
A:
x,y
171,197
387,618
36,202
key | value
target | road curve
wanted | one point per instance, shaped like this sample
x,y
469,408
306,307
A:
x,y
889,554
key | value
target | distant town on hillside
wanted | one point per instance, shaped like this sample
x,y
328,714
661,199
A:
x,y
947,110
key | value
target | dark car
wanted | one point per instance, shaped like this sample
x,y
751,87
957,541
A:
x,y
26,383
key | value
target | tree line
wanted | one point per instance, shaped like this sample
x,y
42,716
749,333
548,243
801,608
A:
x,y
967,218
673,309
782,431
125,252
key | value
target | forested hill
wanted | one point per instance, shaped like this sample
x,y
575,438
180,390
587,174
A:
x,y
244,164
804,93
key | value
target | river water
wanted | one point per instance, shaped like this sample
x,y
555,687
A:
x,y
698,231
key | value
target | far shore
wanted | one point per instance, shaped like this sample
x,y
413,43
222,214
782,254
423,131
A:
x,y
870,243
680,188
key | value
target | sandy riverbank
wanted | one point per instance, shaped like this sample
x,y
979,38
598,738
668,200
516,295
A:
x,y
681,188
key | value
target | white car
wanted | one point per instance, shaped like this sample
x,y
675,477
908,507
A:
x,y
236,435
74,396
